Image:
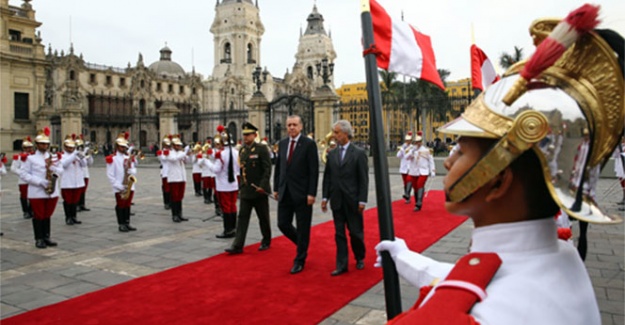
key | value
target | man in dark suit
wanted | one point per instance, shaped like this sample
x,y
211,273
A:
x,y
346,185
255,174
295,186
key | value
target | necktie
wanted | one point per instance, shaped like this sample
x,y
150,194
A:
x,y
342,153
291,147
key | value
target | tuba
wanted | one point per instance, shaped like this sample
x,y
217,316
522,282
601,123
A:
x,y
129,180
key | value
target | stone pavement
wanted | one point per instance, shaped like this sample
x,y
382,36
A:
x,y
96,255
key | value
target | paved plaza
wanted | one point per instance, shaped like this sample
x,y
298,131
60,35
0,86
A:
x,y
95,255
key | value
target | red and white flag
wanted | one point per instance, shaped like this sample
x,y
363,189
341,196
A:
x,y
402,49
482,70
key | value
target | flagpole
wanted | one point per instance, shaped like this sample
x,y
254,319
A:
x,y
380,164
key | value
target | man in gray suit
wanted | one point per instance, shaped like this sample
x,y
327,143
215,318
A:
x,y
346,185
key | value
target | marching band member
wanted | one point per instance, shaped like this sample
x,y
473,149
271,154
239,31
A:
x,y
18,160
166,145
121,171
404,155
208,177
41,171
88,158
73,180
421,166
3,162
175,160
226,169
197,170
218,147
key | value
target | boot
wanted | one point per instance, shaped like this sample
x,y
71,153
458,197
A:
x,y
407,190
198,188
210,195
217,206
26,208
229,222
180,212
68,214
418,199
121,222
74,210
127,219
622,201
81,203
206,196
46,233
38,230
166,201
174,212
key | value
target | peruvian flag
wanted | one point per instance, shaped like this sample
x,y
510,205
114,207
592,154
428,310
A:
x,y
401,48
482,71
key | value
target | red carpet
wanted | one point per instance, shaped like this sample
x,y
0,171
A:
x,y
251,288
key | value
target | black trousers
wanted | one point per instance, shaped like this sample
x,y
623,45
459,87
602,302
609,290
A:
x,y
299,235
347,216
261,205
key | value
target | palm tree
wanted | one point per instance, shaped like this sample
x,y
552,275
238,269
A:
x,y
390,90
507,60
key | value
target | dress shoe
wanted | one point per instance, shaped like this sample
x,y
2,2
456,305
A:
x,y
131,228
183,218
69,221
40,243
176,219
338,272
233,251
76,221
297,268
82,208
123,228
49,242
360,264
27,215
406,197
198,194
407,201
263,247
416,209
225,235
167,207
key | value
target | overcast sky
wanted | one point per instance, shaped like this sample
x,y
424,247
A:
x,y
113,32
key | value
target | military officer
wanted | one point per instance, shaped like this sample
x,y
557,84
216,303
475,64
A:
x,y
421,167
255,163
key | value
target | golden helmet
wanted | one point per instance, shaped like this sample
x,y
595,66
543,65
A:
x,y
43,136
70,141
582,90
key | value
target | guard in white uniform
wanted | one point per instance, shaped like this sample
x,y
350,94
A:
x,y
207,174
166,145
18,160
403,153
175,160
196,171
73,180
121,171
517,271
41,171
619,170
88,158
420,168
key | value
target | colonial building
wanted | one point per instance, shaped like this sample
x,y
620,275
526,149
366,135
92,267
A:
x,y
62,89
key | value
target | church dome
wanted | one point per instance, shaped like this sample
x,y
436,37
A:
x,y
165,66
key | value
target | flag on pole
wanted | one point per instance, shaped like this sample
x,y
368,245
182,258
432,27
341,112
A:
x,y
482,70
402,49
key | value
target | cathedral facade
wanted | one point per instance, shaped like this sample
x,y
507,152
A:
x,y
61,89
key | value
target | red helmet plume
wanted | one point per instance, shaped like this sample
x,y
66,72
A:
x,y
74,136
46,131
220,128
126,135
420,133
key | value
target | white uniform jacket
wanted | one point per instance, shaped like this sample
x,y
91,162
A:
x,y
175,162
34,172
196,164
404,157
115,171
206,171
164,165
88,163
15,169
219,166
619,160
541,280
422,162
73,176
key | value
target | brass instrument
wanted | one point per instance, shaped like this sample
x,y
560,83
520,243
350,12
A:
x,y
408,149
91,149
129,180
51,176
331,146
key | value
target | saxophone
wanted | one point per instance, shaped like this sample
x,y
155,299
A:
x,y
129,180
51,177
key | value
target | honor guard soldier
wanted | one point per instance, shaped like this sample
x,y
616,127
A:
x,y
208,177
196,172
255,163
121,172
41,171
404,154
226,169
87,153
175,160
518,271
218,147
18,160
73,180
166,145
421,167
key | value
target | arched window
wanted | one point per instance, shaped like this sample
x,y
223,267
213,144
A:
x,y
250,53
310,72
227,53
72,75
142,107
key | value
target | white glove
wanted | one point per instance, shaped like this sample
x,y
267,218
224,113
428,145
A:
x,y
433,173
44,183
394,247
119,188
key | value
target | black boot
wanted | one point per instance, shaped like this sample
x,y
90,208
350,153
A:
x,y
38,230
121,222
46,233
217,206
26,208
166,201
229,222
81,203
174,212
74,210
206,196
68,214
210,195
197,186
407,190
127,219
418,199
180,212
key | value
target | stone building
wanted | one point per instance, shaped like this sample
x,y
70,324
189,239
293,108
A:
x,y
63,90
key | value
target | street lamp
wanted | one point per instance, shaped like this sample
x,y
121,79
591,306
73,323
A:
x,y
256,77
325,70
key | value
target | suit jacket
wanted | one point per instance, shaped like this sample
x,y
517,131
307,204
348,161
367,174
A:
x,y
347,181
302,174
255,169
